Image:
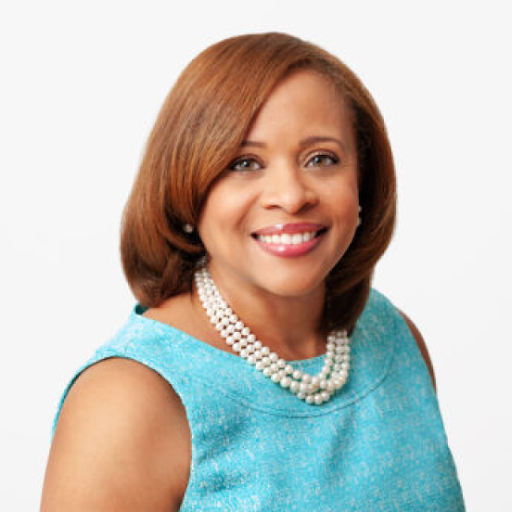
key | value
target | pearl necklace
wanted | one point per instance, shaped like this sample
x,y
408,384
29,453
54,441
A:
x,y
314,390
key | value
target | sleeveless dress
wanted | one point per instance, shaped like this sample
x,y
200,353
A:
x,y
378,445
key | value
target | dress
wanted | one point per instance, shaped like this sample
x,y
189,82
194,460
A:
x,y
378,445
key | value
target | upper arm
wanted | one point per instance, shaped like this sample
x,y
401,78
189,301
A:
x,y
113,443
421,345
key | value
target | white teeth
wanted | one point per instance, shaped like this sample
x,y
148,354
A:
x,y
297,239
287,239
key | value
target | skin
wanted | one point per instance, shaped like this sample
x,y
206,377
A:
x,y
123,441
282,182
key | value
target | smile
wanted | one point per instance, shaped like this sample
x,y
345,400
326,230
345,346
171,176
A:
x,y
291,244
287,238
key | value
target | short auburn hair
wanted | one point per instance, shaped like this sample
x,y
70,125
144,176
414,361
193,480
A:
x,y
197,134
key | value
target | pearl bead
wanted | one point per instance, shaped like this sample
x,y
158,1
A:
x,y
343,374
285,382
314,390
294,387
338,383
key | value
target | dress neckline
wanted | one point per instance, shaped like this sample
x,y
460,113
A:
x,y
372,350
139,310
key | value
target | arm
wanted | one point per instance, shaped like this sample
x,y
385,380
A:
x,y
422,346
115,443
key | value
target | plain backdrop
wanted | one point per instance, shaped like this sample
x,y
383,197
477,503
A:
x,y
81,85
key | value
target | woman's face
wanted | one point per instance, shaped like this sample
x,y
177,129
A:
x,y
295,177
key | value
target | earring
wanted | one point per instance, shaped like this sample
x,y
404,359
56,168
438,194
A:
x,y
359,219
188,228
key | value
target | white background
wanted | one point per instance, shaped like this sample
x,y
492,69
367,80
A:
x,y
81,87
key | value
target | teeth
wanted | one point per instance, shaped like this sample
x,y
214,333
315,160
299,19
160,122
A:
x,y
287,238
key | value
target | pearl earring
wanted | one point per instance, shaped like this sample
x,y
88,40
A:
x,y
188,228
359,220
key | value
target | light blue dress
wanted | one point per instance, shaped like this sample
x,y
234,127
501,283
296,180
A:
x,y
378,445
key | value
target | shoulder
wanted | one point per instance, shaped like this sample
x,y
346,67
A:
x,y
380,306
421,345
114,441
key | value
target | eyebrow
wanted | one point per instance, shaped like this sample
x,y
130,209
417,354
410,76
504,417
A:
x,y
303,143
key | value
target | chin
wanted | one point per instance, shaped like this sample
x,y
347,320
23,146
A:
x,y
290,286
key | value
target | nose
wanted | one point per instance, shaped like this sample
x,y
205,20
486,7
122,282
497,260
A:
x,y
288,187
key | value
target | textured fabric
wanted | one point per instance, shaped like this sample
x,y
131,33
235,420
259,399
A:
x,y
378,445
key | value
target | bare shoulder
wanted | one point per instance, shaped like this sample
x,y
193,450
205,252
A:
x,y
421,345
115,443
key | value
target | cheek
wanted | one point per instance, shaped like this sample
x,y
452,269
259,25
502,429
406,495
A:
x,y
342,197
224,212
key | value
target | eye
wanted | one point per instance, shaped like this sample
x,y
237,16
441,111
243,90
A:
x,y
245,164
322,160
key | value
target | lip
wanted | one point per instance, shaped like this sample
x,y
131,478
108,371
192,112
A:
x,y
290,250
299,227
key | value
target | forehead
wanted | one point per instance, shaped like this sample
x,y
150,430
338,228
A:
x,y
304,103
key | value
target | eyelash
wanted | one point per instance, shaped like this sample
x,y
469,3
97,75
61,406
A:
x,y
332,156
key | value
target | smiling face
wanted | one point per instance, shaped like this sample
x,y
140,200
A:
x,y
285,211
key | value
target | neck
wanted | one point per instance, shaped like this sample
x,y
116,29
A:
x,y
287,325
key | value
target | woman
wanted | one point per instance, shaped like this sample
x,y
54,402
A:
x,y
259,371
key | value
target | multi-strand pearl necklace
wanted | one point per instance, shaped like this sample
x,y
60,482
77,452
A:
x,y
314,390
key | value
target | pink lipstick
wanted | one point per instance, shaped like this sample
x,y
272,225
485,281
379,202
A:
x,y
290,240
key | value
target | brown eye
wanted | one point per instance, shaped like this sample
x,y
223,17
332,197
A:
x,y
322,160
245,164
